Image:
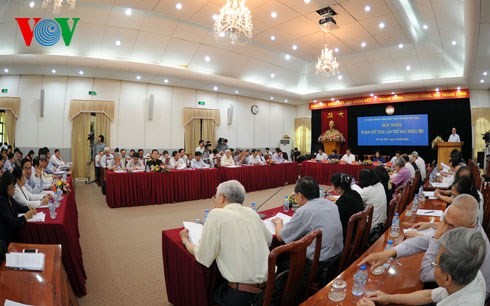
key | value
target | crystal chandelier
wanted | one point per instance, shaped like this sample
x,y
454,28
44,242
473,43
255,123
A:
x,y
327,63
234,23
58,3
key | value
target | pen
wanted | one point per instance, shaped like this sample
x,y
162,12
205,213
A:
x,y
428,212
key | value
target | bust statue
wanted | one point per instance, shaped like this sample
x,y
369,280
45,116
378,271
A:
x,y
332,134
332,131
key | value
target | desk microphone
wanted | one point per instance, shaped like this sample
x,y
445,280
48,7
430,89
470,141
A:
x,y
262,216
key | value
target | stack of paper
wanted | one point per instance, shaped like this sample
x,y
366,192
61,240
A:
x,y
430,195
39,217
12,303
271,227
195,231
425,232
430,213
440,185
25,261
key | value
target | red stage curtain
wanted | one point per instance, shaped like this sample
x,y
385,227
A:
x,y
339,116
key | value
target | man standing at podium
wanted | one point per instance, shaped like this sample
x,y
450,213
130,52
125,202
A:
x,y
454,137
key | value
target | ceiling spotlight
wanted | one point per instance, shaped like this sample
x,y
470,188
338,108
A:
x,y
207,58
6,70
215,17
80,72
272,98
287,57
236,91
215,88
392,92
437,89
128,12
273,14
339,77
453,42
31,5
118,43
372,95
336,50
178,6
408,68
314,101
273,75
425,27
295,47
363,44
400,46
165,81
367,8
53,71
482,81
485,73
459,88
286,100
138,77
273,37
381,25
307,1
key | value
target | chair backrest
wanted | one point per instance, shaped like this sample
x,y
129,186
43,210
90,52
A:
x,y
356,239
391,211
415,184
486,207
297,253
404,197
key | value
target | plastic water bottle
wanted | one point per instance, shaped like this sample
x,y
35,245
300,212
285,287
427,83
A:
x,y
52,210
205,216
147,168
285,206
41,183
395,226
360,280
64,176
415,205
389,246
253,205
322,193
421,196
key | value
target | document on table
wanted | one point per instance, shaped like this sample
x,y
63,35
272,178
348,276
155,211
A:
x,y
39,217
425,232
430,195
440,185
428,212
271,227
25,261
12,303
195,231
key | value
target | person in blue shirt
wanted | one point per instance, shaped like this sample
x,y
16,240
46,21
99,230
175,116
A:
x,y
378,158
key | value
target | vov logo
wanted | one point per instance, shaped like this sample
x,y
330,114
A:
x,y
47,31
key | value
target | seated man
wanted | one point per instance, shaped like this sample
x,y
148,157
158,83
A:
x,y
313,213
236,238
8,165
277,157
227,159
176,162
321,156
56,159
183,155
39,178
197,162
46,174
22,196
348,157
18,157
154,159
30,185
200,147
135,164
456,272
402,175
107,158
254,158
463,212
334,155
397,155
116,163
420,162
124,157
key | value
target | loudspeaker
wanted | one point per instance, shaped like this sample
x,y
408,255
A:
x,y
230,114
150,107
41,104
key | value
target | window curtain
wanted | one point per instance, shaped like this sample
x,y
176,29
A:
x,y
10,123
209,131
80,146
480,121
91,106
103,127
302,139
192,135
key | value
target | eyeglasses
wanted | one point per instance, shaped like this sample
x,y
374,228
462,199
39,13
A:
x,y
433,264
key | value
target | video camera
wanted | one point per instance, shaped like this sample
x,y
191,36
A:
x,y
486,137
91,136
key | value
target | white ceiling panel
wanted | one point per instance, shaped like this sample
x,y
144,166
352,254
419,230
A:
x,y
187,31
154,23
179,52
118,18
149,47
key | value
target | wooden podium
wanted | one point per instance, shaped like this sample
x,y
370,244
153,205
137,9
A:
x,y
329,146
444,151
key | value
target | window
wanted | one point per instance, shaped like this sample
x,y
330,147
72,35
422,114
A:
x,y
2,126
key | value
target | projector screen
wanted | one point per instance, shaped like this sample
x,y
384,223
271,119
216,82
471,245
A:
x,y
402,130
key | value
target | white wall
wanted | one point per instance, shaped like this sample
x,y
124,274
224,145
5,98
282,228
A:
x,y
479,98
131,128
303,111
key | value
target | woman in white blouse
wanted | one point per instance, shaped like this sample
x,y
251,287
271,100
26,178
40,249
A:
x,y
372,193
23,196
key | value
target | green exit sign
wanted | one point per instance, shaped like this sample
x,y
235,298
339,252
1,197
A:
x,y
201,102
4,90
92,93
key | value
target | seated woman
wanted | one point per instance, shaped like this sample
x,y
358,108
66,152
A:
x,y
384,178
378,158
372,193
349,202
12,215
22,196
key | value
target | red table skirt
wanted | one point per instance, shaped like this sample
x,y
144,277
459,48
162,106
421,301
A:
x,y
142,188
61,230
187,281
323,172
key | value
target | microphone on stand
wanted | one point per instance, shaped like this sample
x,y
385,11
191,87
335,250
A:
x,y
262,216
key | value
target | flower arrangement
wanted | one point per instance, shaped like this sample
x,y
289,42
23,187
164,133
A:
x,y
270,161
61,185
331,138
292,202
367,162
333,161
159,168
436,141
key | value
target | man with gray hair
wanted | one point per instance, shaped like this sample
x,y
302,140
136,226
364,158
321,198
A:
x,y
420,162
236,238
402,175
463,212
456,271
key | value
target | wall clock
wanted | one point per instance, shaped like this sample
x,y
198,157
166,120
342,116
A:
x,y
254,109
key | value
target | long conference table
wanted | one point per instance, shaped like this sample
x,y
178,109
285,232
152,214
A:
x,y
62,230
323,172
190,283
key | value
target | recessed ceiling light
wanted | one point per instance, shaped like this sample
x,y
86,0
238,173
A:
x,y
408,68
336,50
178,6
118,43
32,4
165,81
215,88
236,91
453,42
273,75
363,44
371,94
138,77
314,101
485,73
287,57
273,14
215,17
400,46
286,100
482,81
53,71
128,12
459,88
80,72
6,70
367,8
381,25
425,27
273,37
307,1
339,77
295,47
207,58
272,98
437,89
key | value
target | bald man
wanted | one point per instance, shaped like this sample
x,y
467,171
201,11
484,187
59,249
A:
x,y
463,212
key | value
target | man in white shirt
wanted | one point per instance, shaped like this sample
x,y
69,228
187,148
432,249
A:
x,y
236,238
197,162
56,159
394,158
107,158
277,157
200,147
182,155
453,137
227,159
255,159
135,164
124,158
176,162
420,164
348,157
321,156
30,185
